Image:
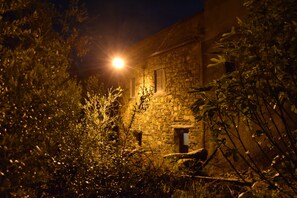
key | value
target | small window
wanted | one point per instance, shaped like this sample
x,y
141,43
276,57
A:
x,y
181,140
138,136
132,88
229,67
159,80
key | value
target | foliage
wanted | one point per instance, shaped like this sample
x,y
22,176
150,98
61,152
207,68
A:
x,y
112,167
94,85
141,105
258,100
39,99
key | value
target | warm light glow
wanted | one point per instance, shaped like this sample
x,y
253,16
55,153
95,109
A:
x,y
118,63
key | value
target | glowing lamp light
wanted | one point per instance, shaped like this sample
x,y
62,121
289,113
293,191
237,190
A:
x,y
118,63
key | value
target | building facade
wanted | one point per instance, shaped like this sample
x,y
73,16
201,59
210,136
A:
x,y
164,67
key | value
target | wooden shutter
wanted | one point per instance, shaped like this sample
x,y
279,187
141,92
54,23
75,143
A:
x,y
159,80
132,87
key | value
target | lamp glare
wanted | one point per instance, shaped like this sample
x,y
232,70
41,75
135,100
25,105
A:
x,y
118,63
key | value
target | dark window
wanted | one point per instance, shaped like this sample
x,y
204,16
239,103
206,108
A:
x,y
181,140
138,136
132,87
159,80
229,67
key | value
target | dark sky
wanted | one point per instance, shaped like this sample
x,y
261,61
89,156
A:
x,y
116,24
132,20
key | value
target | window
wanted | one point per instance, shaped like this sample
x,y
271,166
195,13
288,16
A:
x,y
132,88
138,136
159,80
181,140
229,67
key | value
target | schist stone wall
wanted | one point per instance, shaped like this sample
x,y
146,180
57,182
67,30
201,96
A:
x,y
168,110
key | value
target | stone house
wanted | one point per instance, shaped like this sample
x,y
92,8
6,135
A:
x,y
168,64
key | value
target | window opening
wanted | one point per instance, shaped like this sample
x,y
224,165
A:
x,y
159,80
229,67
181,140
138,136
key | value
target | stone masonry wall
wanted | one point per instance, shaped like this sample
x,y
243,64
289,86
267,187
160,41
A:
x,y
169,109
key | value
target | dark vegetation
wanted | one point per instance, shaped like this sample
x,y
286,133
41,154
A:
x,y
251,111
56,141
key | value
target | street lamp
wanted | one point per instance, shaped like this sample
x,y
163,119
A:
x,y
118,63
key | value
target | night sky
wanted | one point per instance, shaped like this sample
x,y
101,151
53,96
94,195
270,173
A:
x,y
131,20
117,24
